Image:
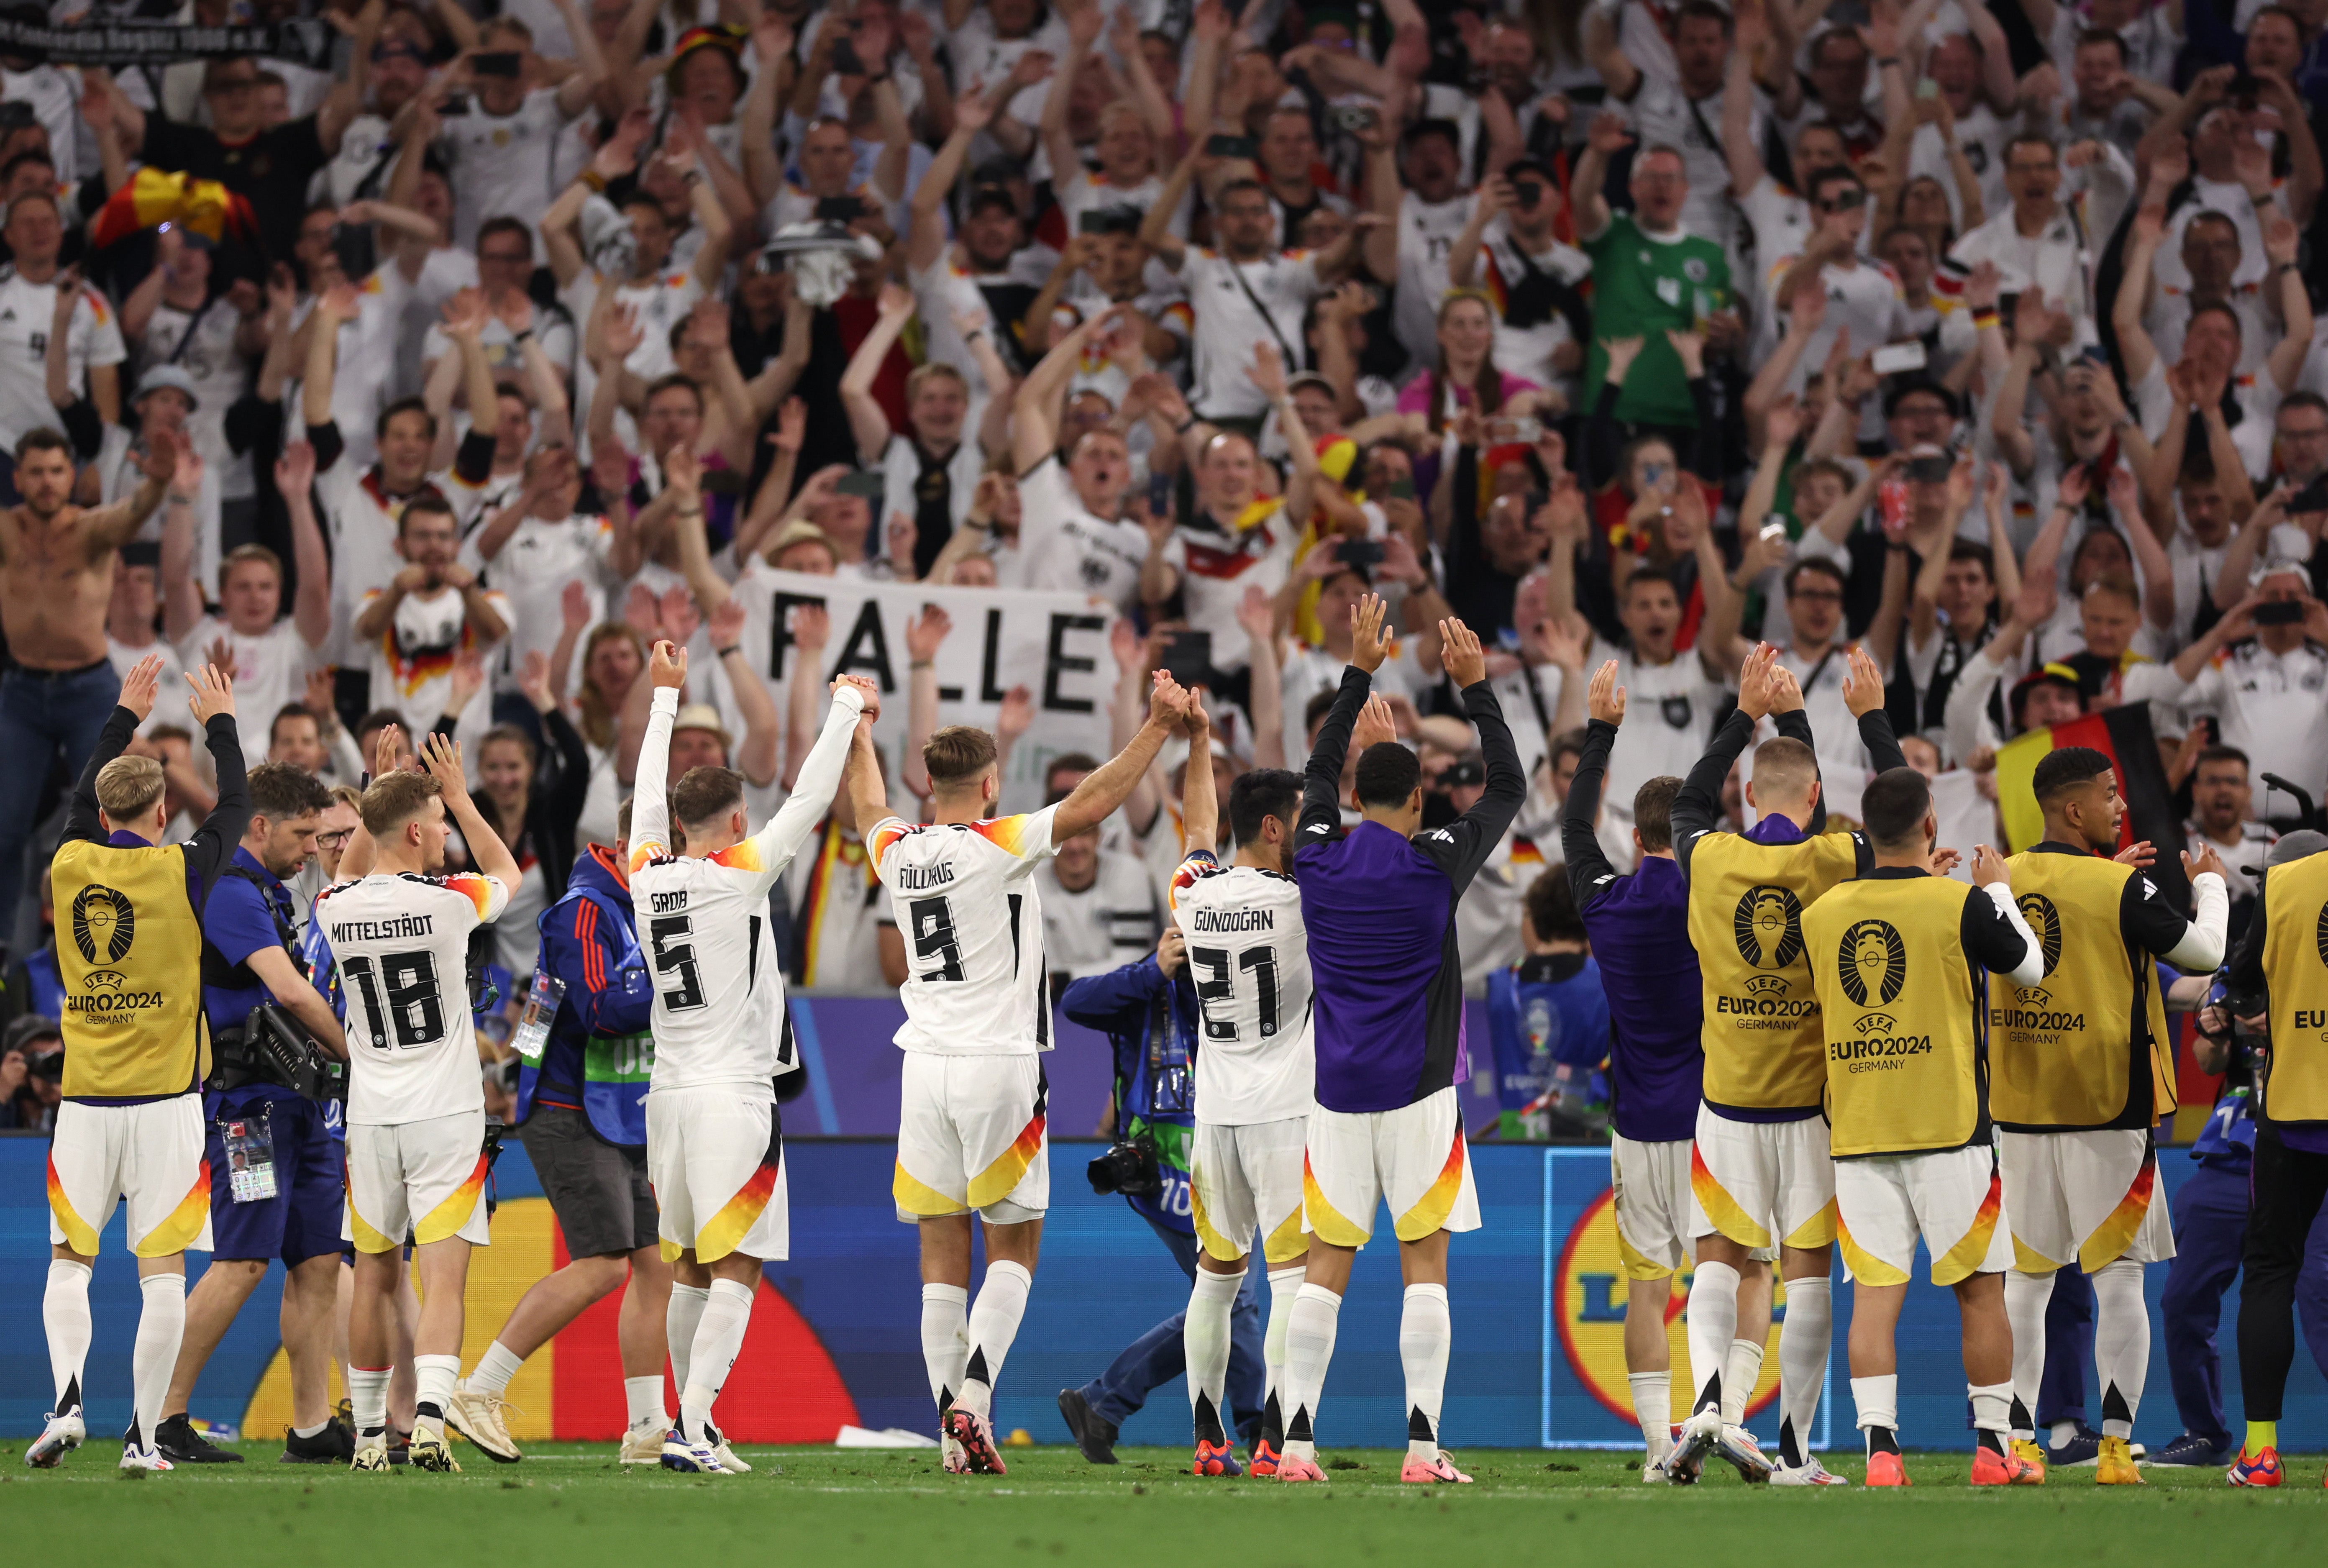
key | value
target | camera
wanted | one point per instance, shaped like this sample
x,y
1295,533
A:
x,y
1108,220
1931,470
846,60
2313,497
1127,1168
840,209
1357,117
1364,553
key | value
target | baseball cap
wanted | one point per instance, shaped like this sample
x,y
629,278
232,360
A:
x,y
2295,846
160,376
2055,674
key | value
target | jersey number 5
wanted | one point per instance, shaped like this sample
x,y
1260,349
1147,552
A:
x,y
672,954
934,937
1216,984
413,1006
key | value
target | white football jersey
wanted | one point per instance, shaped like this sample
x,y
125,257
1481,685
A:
x,y
400,944
719,1014
963,894
1249,957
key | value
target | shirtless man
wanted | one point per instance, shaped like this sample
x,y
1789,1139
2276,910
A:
x,y
56,579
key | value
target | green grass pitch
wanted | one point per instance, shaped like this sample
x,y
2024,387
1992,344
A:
x,y
570,1505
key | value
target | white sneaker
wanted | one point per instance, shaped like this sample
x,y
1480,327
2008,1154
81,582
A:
x,y
477,1416
728,1460
1809,1473
133,1458
1653,1474
1698,1437
63,1434
371,1454
1738,1445
642,1444
681,1454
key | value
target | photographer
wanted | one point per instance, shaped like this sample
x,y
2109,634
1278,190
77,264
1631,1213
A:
x,y
1148,1012
277,1186
2278,963
32,1066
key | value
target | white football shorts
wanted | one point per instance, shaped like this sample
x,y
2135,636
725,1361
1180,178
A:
x,y
425,1179
1953,1199
1244,1181
151,1155
1762,1184
2094,1196
1415,1158
715,1160
973,1134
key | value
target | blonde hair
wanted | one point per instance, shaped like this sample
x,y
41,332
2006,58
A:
x,y
127,787
394,800
242,554
599,717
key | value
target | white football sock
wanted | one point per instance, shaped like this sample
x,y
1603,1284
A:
x,y
435,1375
1739,1373
1308,1346
2121,1344
64,1314
160,1328
368,1399
2025,1299
993,1325
1803,1340
1426,1335
1713,1324
1992,1408
643,1397
1877,1400
1653,1408
680,1320
494,1369
1204,1337
718,1340
945,1340
1284,1284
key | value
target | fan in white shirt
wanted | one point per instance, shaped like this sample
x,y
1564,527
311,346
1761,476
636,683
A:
x,y
532,549
1073,532
269,654
1099,908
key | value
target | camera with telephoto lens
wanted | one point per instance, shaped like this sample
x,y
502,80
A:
x,y
1127,1168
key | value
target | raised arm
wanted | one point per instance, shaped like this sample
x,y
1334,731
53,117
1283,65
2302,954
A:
x,y
1156,229
311,607
1110,784
867,422
1200,810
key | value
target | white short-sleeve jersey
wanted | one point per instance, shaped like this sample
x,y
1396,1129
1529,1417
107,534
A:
x,y
719,1012
1249,957
963,895
400,944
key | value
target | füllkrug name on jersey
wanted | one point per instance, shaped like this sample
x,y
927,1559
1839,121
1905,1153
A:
x,y
919,877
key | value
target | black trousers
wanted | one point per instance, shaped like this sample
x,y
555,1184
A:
x,y
2286,1187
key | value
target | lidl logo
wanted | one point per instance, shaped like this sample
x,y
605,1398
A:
x,y
1589,1293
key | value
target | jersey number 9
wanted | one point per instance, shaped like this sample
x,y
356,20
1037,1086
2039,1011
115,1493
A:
x,y
934,938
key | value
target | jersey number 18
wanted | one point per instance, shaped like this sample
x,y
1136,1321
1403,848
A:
x,y
407,983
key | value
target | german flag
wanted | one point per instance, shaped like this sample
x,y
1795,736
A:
x,y
152,198
2122,734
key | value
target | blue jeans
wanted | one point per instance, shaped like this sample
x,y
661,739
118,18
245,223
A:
x,y
1158,1356
44,719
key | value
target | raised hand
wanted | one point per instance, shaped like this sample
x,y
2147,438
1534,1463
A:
x,y
1459,651
468,679
2140,856
294,471
1377,722
926,632
1604,700
160,462
533,681
1786,691
213,693
680,616
1862,683
386,750
1988,868
2204,862
1754,692
726,623
868,691
1367,650
1015,715
667,665
140,686
440,758
1168,700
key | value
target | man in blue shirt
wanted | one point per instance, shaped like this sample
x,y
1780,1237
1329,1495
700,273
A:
x,y
581,1113
277,1192
1387,1014
1145,1008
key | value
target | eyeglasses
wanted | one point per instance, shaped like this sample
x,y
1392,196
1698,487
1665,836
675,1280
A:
x,y
334,840
223,85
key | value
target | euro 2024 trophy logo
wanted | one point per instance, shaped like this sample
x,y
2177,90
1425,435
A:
x,y
103,922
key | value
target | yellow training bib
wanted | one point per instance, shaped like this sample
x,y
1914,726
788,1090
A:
x,y
129,951
2296,974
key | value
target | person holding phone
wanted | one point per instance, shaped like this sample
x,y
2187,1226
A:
x,y
500,147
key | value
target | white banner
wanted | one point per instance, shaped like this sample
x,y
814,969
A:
x,y
1053,644
1966,817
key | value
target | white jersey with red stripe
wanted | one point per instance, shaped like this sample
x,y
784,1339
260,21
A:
x,y
1249,958
963,894
719,1012
400,944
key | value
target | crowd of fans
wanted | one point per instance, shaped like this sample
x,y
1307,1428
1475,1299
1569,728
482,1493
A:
x,y
1980,335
